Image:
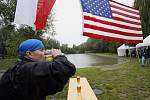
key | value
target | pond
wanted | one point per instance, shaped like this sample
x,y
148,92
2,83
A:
x,y
80,60
88,60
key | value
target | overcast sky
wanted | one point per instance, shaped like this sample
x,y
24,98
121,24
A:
x,y
68,24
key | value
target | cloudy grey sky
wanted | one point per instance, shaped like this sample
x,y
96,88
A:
x,y
68,24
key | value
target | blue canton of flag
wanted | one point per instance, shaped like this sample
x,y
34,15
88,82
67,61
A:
x,y
97,7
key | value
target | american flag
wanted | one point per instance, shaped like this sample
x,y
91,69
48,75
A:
x,y
110,20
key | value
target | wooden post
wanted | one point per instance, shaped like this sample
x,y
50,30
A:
x,y
79,89
78,79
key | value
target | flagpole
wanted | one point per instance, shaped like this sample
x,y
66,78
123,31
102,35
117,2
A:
x,y
35,32
82,16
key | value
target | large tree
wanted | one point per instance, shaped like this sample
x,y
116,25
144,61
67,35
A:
x,y
11,36
7,11
144,7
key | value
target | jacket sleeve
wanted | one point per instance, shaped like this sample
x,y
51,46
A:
x,y
50,77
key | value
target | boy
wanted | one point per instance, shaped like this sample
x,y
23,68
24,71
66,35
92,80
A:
x,y
33,77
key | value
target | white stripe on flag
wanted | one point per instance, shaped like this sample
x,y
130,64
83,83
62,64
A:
x,y
127,18
124,12
112,27
128,8
26,12
110,20
112,35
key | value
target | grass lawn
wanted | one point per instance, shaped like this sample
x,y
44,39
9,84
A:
x,y
128,81
6,63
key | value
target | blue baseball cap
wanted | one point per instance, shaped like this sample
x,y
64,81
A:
x,y
30,45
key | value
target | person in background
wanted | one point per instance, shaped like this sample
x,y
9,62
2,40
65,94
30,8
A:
x,y
133,53
33,77
144,57
148,50
127,52
147,55
140,55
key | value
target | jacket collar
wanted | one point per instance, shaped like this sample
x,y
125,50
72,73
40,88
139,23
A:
x,y
25,59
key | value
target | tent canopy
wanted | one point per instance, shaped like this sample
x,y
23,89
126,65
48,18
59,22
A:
x,y
123,47
122,50
146,42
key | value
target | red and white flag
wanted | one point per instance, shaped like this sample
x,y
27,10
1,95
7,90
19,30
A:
x,y
33,12
110,20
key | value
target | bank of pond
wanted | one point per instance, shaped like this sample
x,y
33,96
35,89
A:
x,y
80,60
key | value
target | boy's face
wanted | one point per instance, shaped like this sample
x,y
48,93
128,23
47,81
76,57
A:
x,y
37,55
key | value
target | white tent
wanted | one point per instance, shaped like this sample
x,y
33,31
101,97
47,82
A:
x,y
122,50
146,42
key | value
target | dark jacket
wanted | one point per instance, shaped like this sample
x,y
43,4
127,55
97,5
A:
x,y
28,80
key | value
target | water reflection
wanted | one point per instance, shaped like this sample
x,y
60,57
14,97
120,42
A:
x,y
80,60
86,60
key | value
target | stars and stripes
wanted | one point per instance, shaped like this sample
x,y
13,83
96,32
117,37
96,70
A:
x,y
110,20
